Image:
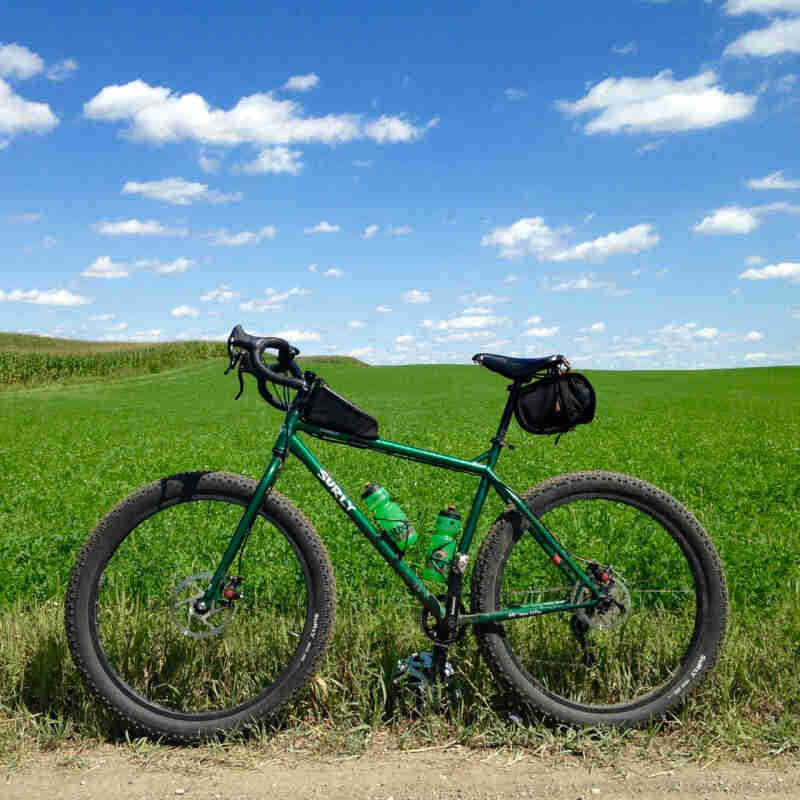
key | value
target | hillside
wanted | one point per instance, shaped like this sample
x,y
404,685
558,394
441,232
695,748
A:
x,y
27,360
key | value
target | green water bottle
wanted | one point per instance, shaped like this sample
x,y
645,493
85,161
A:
x,y
443,545
389,515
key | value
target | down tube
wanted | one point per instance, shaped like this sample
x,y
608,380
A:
x,y
379,541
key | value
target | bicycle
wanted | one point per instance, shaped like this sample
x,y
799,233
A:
x,y
179,647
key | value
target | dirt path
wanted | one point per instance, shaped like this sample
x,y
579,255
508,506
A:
x,y
108,773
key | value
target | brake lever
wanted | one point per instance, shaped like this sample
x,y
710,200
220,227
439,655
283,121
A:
x,y
241,385
235,357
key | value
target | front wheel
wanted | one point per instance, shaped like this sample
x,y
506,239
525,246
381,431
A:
x,y
134,628
653,639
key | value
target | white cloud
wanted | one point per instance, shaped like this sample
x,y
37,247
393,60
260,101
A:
x,y
659,104
511,278
737,7
323,227
754,336
16,61
135,227
312,267
707,333
465,321
400,230
356,323
542,333
730,219
371,230
383,309
774,180
302,83
406,338
416,296
754,261
222,294
207,163
184,311
102,317
625,49
526,235
532,321
483,299
275,160
781,36
787,82
48,297
387,129
685,336
273,300
104,267
755,356
164,268
296,335
588,284
597,327
783,270
62,70
222,237
333,272
361,351
531,235
24,218
477,310
157,114
151,335
631,240
18,115
179,192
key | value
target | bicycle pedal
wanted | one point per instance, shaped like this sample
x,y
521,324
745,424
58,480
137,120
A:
x,y
416,671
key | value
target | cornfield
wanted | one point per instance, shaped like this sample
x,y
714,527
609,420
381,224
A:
x,y
20,368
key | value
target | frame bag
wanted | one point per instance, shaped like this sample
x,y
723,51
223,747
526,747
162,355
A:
x,y
332,411
556,404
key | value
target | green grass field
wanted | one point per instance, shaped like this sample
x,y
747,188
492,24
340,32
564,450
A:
x,y
725,443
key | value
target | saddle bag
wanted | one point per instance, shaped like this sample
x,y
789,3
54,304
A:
x,y
556,404
336,413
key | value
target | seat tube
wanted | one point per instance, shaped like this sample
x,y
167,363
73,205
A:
x,y
491,460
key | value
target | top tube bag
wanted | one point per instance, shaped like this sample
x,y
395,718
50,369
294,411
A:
x,y
556,404
336,413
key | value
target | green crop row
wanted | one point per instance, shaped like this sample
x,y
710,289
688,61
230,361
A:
x,y
32,368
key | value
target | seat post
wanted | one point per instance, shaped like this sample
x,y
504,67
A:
x,y
508,411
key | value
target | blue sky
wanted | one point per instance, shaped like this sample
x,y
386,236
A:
x,y
616,182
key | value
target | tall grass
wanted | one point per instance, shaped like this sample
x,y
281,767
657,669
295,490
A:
x,y
725,443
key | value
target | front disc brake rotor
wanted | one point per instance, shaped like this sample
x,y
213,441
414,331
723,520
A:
x,y
190,621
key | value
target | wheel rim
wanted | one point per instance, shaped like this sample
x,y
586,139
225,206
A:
x,y
242,651
618,659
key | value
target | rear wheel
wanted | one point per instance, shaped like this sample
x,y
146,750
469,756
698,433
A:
x,y
134,628
654,637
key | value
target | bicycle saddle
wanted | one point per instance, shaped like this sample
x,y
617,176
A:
x,y
517,368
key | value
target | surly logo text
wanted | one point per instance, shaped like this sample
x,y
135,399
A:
x,y
334,489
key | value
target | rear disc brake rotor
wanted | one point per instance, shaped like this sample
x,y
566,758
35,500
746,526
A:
x,y
612,609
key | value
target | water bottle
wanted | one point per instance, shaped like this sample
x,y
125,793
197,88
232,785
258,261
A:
x,y
442,547
389,515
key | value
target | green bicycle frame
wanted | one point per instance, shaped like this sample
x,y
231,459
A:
x,y
482,467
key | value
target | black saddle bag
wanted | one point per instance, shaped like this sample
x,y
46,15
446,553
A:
x,y
556,404
336,413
